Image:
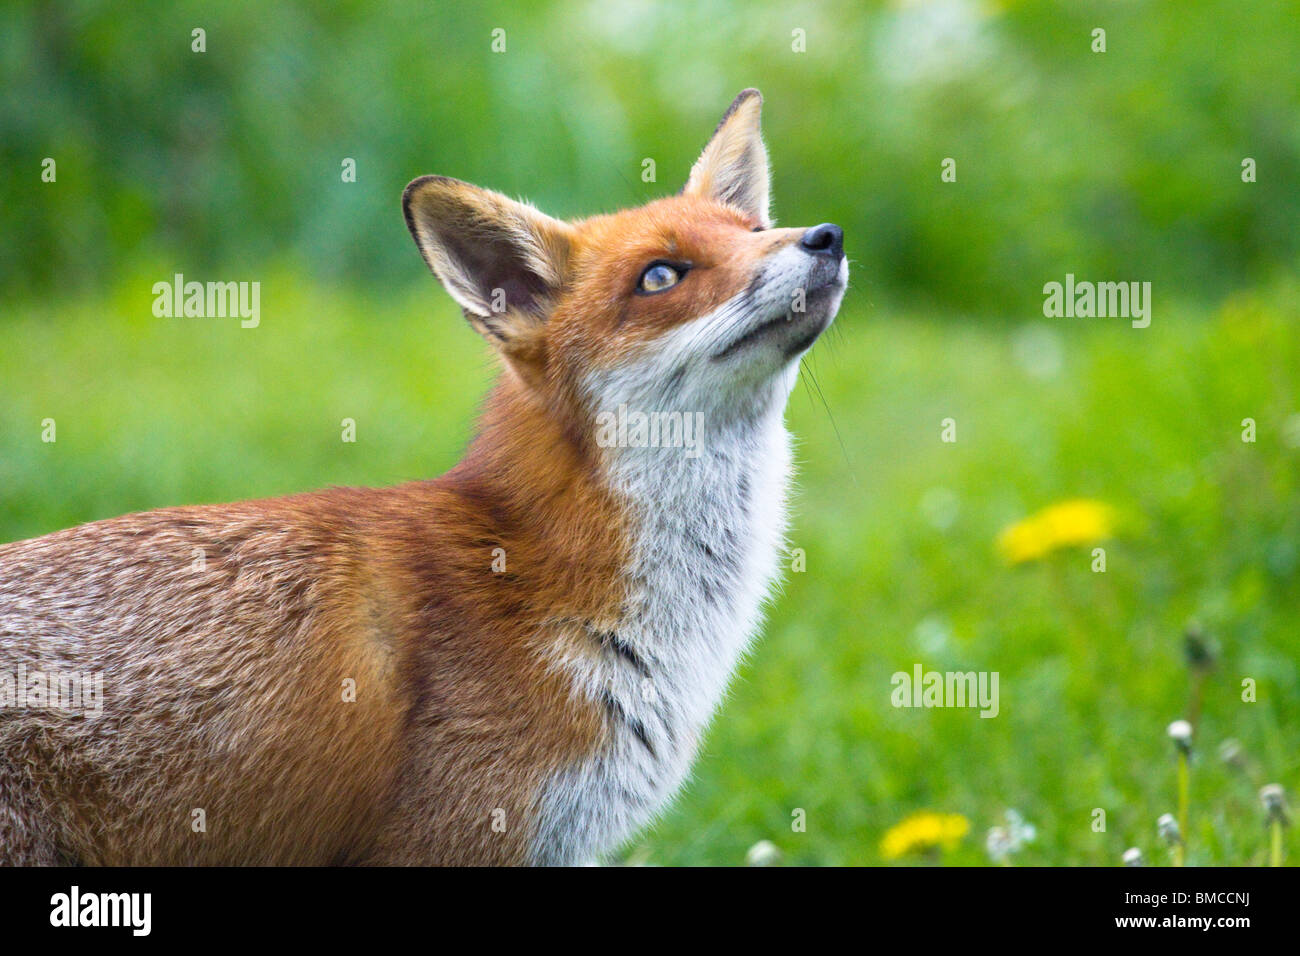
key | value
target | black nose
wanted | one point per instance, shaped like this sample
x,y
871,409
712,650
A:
x,y
824,240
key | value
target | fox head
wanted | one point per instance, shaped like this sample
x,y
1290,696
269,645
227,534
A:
x,y
691,302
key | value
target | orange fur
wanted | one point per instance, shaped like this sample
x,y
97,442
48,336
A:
x,y
235,704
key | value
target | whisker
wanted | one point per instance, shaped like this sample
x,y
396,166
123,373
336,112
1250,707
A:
x,y
812,376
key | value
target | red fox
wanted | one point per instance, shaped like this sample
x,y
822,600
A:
x,y
510,664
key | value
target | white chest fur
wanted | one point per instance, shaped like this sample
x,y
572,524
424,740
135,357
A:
x,y
706,548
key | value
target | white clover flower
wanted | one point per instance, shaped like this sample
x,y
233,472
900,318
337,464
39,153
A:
x,y
1167,827
998,844
763,853
1133,857
1021,832
1003,841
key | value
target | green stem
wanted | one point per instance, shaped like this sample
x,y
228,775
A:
x,y
1184,799
1275,854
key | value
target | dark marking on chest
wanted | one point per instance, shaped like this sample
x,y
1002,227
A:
x,y
621,716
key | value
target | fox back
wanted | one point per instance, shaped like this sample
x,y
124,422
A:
x,y
512,663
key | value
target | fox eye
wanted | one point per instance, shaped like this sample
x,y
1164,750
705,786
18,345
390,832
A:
x,y
659,276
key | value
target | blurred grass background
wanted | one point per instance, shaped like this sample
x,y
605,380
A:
x,y
1117,166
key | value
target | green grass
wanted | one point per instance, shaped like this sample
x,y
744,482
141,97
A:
x,y
898,529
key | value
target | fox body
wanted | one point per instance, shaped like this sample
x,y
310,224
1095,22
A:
x,y
510,664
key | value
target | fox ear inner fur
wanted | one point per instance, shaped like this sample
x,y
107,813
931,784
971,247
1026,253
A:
x,y
501,260
733,168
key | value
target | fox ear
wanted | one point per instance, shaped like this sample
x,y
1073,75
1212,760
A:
x,y
501,260
733,167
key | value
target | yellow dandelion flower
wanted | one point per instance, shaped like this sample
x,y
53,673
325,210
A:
x,y
922,831
1079,521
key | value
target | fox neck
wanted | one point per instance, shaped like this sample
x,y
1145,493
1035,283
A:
x,y
705,527
703,535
